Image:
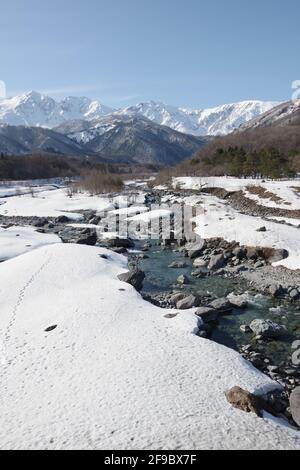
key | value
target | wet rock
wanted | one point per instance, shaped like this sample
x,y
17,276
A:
x,y
207,314
200,263
121,243
275,290
188,302
178,265
89,239
176,297
194,250
135,278
267,329
295,405
216,262
222,305
294,294
119,250
238,301
245,329
199,273
182,280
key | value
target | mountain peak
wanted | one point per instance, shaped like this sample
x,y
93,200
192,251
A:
x,y
36,109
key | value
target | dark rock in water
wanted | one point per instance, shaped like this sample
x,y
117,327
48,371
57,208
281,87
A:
x,y
40,223
276,290
120,251
199,272
246,401
62,219
267,328
135,278
194,250
121,243
295,405
188,302
183,280
223,305
217,262
178,265
207,314
238,301
294,294
176,297
88,239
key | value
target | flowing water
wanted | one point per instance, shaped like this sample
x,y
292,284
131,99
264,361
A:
x,y
160,279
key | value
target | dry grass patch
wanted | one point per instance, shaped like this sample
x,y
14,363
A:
x,y
264,193
97,182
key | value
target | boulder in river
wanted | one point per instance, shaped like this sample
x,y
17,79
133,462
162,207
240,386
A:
x,y
267,328
207,314
194,250
121,243
238,301
188,302
216,262
178,265
222,305
182,280
135,278
295,405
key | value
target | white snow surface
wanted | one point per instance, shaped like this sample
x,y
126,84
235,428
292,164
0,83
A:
x,y
220,220
55,203
284,189
115,373
15,241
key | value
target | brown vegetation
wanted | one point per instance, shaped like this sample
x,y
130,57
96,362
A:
x,y
100,182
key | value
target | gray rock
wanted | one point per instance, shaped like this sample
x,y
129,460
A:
x,y
294,294
217,262
121,243
177,265
222,305
62,219
194,250
199,273
238,301
88,239
245,329
276,290
40,223
182,280
135,278
200,263
176,297
239,253
295,405
188,302
267,328
207,314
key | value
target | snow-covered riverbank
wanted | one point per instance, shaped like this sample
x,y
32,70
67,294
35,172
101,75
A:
x,y
112,370
115,372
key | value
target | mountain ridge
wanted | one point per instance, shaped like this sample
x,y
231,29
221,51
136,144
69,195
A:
x,y
36,109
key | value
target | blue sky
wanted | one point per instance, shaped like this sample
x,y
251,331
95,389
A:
x,y
192,53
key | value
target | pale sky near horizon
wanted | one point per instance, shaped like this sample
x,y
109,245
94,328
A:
x,y
191,53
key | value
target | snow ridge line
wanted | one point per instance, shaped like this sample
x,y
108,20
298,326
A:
x,y
13,319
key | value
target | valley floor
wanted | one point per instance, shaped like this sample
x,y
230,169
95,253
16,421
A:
x,y
86,363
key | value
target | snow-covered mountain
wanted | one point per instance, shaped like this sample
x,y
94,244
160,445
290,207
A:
x,y
221,120
285,114
35,109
